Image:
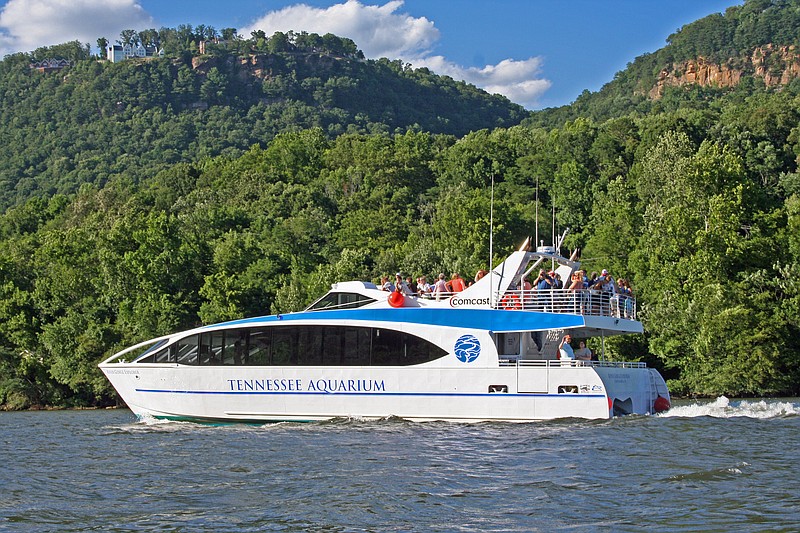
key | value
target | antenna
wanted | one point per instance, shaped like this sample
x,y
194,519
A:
x,y
536,240
561,240
491,245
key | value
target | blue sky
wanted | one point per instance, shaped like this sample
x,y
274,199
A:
x,y
539,53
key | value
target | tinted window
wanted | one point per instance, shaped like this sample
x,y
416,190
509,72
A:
x,y
340,300
301,346
396,348
235,347
283,346
187,350
258,347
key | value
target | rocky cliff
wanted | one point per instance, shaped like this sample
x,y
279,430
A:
x,y
776,65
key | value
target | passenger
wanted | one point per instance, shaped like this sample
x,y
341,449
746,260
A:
x,y
423,288
456,283
527,293
625,297
577,281
543,283
400,285
440,288
565,352
610,294
411,284
583,353
238,353
558,301
594,293
479,275
576,287
386,285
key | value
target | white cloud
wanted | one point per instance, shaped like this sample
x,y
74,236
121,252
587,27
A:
x,y
383,31
28,24
519,81
377,30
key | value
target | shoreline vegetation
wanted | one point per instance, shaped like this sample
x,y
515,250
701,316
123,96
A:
x,y
187,189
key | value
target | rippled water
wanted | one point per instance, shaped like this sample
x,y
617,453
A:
x,y
712,466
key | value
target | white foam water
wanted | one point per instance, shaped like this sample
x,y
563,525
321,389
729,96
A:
x,y
723,407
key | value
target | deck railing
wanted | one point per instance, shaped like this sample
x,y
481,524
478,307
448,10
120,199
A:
x,y
569,363
580,302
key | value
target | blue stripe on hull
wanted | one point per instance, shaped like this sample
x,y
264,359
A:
x,y
449,394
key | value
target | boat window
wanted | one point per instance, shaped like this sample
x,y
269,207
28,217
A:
x,y
165,355
187,350
283,346
235,347
301,345
258,347
205,349
309,346
340,300
357,346
396,348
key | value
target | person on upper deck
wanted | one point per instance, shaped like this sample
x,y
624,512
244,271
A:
x,y
386,285
577,281
457,283
401,286
565,352
440,288
625,297
423,287
411,284
544,281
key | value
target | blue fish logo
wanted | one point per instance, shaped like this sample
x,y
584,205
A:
x,y
467,348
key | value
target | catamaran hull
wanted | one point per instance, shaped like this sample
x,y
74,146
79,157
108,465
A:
x,y
517,393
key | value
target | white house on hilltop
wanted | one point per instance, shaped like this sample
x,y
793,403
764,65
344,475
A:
x,y
116,52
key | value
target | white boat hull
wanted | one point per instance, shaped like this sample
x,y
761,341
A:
x,y
549,390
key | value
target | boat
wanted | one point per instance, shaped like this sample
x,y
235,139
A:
x,y
488,353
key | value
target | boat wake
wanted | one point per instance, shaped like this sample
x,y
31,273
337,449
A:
x,y
723,407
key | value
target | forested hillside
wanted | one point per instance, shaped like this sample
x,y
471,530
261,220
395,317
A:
x,y
696,202
96,122
743,50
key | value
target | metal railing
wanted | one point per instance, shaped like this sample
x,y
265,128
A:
x,y
550,363
580,302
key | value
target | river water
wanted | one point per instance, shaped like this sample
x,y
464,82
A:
x,y
704,466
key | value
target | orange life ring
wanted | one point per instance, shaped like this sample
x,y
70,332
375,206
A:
x,y
511,301
396,299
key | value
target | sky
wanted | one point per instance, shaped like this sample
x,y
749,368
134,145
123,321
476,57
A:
x,y
538,53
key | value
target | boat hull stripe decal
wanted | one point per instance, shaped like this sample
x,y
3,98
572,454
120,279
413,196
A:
x,y
489,394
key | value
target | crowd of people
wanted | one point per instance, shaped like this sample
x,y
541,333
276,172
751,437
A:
x,y
601,292
440,288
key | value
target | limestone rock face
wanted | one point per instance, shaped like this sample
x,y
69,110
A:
x,y
777,65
